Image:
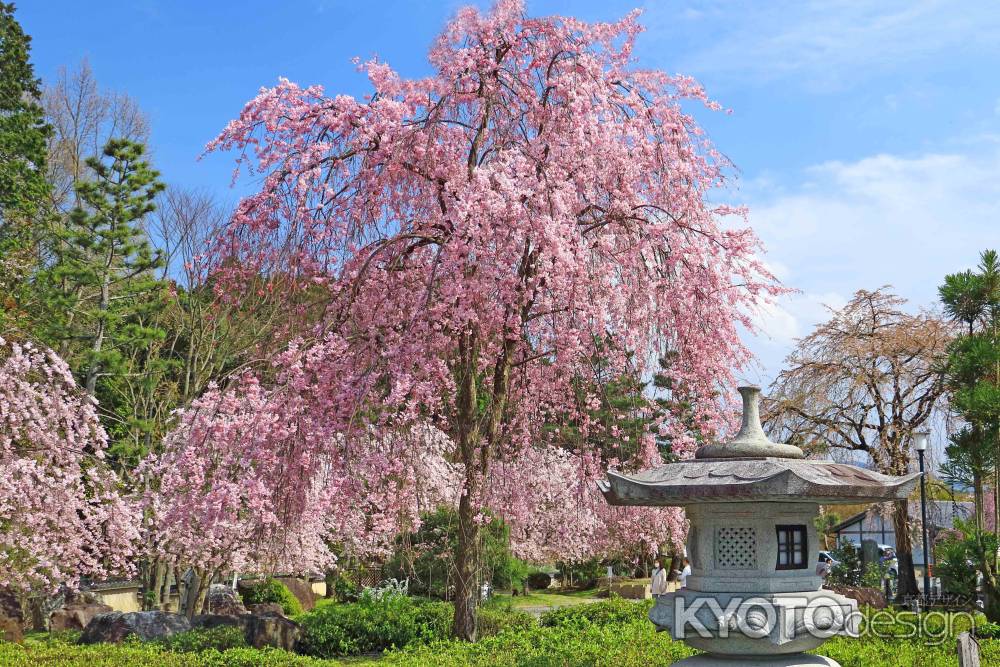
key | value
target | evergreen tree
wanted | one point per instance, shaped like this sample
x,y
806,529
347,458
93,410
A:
x,y
102,292
670,398
972,298
970,457
23,135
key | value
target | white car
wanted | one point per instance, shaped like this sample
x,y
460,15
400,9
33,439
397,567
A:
x,y
826,555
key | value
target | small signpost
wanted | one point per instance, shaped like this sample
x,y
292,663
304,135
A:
x,y
968,651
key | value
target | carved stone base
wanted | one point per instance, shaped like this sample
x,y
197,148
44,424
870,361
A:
x,y
745,625
793,660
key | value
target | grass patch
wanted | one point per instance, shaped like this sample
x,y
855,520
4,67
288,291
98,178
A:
x,y
551,598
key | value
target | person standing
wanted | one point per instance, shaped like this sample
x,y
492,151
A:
x,y
682,579
824,566
659,581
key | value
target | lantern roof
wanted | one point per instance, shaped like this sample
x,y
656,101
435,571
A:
x,y
751,467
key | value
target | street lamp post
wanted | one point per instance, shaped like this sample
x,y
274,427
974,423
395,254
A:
x,y
920,444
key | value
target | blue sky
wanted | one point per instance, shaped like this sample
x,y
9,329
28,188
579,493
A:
x,y
867,134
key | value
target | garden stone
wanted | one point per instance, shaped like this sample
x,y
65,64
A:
x,y
260,630
76,615
273,630
222,599
302,590
10,607
263,608
212,621
114,627
82,597
10,629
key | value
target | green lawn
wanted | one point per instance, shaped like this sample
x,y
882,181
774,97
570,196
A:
x,y
551,598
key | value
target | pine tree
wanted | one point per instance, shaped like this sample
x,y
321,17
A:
x,y
23,188
102,290
972,298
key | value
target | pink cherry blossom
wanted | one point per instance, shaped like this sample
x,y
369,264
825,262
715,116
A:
x,y
472,236
61,514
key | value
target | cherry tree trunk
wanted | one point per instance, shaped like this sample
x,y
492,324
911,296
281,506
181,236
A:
x,y
906,579
466,572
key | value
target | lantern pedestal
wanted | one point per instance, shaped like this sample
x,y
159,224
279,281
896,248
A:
x,y
800,660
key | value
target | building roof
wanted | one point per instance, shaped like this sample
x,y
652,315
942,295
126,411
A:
x,y
940,514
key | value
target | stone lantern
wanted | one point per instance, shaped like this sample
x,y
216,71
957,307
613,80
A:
x,y
754,596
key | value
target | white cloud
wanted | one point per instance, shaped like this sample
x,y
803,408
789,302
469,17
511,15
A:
x,y
885,219
828,42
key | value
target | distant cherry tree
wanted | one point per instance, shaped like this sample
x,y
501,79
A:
x,y
864,382
475,232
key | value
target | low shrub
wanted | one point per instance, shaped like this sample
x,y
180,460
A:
x,y
142,655
493,621
583,575
373,624
875,652
613,611
624,645
202,639
538,581
987,630
342,587
272,590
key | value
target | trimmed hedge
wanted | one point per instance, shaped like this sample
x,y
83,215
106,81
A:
x,y
373,624
272,590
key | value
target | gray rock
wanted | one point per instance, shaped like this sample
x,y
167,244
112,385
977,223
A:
x,y
302,590
10,629
222,599
273,630
114,627
265,608
11,607
260,630
76,615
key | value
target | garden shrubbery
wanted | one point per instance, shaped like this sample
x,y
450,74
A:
x,y
538,580
134,654
386,619
373,623
612,633
203,639
272,590
619,645
493,620
614,611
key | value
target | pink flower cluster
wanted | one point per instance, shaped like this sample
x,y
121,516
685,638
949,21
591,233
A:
x,y
61,513
251,480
